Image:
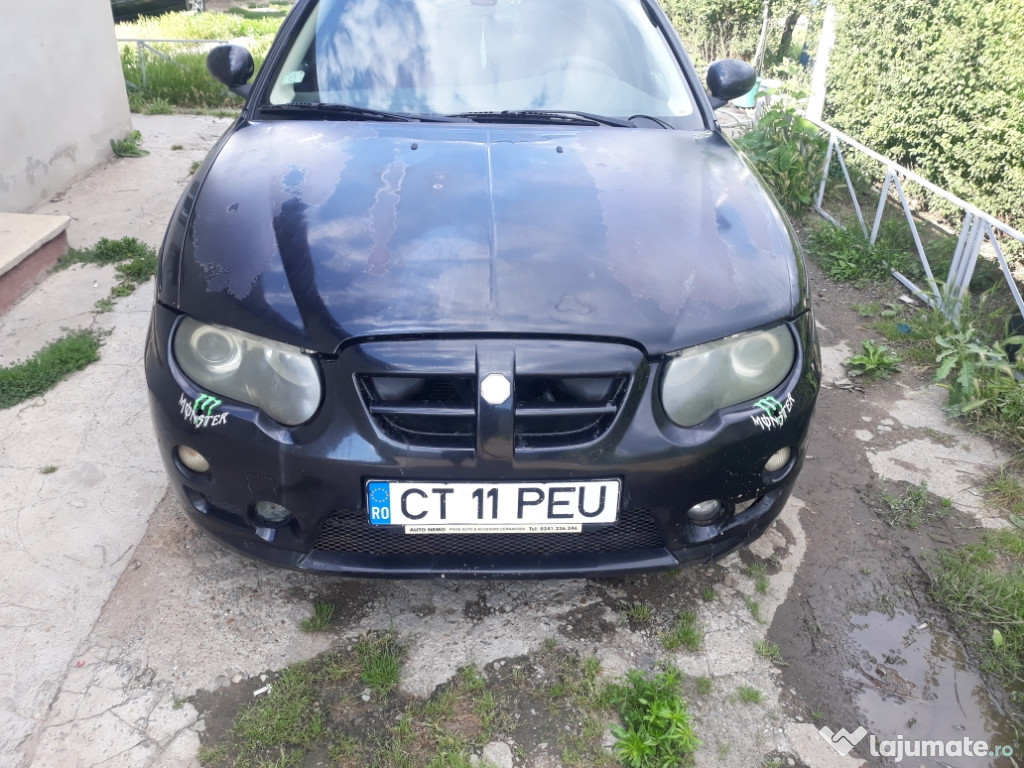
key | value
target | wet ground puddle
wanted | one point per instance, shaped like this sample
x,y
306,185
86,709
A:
x,y
916,686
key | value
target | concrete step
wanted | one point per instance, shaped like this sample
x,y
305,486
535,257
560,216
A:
x,y
30,244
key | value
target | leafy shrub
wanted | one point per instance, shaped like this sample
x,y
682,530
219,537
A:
x,y
183,80
657,730
930,85
716,29
979,375
789,152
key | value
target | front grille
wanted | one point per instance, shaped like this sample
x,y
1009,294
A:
x,y
563,411
350,532
436,411
440,410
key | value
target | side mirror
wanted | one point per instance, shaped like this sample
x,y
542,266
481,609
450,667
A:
x,y
231,65
729,79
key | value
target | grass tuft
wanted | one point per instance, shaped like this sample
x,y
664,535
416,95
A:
x,y
71,352
770,651
749,695
983,584
913,508
759,573
284,718
134,263
684,633
380,656
640,614
323,612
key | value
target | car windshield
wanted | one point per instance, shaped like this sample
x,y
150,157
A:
x,y
451,57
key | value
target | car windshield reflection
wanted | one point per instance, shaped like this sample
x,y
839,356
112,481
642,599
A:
x,y
458,56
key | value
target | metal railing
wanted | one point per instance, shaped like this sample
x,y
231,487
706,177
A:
x,y
143,45
977,227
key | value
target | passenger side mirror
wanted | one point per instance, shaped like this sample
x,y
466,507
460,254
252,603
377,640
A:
x,y
729,79
232,65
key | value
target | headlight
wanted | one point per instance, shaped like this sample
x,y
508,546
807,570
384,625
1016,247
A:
x,y
280,380
703,379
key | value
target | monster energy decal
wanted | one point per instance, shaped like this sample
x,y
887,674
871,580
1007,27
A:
x,y
774,413
200,412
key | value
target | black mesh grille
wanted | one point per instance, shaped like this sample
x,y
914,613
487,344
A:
x,y
437,411
350,532
556,412
440,411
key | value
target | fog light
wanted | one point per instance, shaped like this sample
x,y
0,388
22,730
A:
x,y
705,512
778,460
271,514
193,459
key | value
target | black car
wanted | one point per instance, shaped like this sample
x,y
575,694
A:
x,y
126,10
478,288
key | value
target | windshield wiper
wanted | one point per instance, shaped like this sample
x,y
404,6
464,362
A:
x,y
544,116
345,112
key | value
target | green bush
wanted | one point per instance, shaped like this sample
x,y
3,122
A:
x,y
716,29
182,80
789,152
938,87
657,730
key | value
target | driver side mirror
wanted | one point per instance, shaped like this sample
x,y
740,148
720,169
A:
x,y
232,65
729,79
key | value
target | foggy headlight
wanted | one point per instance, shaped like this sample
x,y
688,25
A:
x,y
701,380
280,380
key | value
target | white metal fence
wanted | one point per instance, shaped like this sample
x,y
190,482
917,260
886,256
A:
x,y
976,230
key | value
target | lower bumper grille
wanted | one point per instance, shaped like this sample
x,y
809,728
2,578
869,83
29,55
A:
x,y
350,532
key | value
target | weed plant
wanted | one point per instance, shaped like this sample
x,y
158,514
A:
x,y
134,263
913,508
323,612
71,352
873,362
770,651
657,729
684,633
380,656
129,145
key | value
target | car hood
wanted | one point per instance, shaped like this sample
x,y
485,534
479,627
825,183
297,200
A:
x,y
314,233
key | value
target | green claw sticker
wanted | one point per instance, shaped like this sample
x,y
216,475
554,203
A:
x,y
775,413
200,412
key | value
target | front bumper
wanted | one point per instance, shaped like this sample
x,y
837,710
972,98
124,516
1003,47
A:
x,y
318,470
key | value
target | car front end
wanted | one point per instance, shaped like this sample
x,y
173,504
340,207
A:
x,y
478,344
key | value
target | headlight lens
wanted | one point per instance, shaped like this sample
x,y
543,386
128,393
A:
x,y
703,379
279,379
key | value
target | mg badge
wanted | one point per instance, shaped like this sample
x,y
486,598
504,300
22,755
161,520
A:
x,y
495,389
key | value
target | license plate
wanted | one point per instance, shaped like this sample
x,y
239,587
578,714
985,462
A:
x,y
424,507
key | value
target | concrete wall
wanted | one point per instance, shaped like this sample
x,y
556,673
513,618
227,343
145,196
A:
x,y
63,96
